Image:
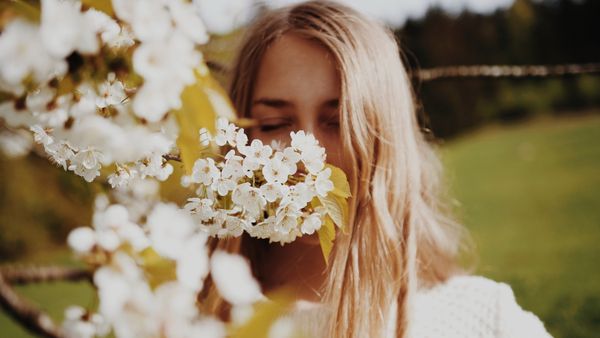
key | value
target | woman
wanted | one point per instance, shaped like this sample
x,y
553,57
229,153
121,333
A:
x,y
326,69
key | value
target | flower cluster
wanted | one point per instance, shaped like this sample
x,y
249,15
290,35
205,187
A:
x,y
120,86
149,270
277,194
96,86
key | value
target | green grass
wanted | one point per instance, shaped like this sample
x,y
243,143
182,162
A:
x,y
530,196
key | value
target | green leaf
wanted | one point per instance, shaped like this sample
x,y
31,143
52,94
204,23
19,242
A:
x,y
202,103
326,237
341,187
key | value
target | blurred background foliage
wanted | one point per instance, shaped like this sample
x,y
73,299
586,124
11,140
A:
x,y
528,32
522,157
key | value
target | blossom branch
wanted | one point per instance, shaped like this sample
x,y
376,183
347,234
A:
x,y
26,275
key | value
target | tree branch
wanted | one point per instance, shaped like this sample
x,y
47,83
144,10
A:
x,y
22,311
25,313
26,275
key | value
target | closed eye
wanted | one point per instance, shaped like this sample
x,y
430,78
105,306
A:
x,y
272,125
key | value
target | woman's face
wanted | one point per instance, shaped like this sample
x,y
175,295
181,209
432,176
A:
x,y
298,88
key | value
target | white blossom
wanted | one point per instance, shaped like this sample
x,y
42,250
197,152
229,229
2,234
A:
x,y
233,278
61,152
86,163
156,167
112,92
41,136
169,227
82,240
287,217
275,171
234,168
80,324
314,160
16,118
312,155
22,53
123,176
289,157
303,141
108,28
256,154
274,191
202,208
170,60
64,29
250,199
223,185
323,184
205,171
192,265
311,223
15,144
123,292
187,21
85,105
150,20
301,193
226,133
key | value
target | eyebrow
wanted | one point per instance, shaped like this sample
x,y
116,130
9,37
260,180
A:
x,y
281,103
270,102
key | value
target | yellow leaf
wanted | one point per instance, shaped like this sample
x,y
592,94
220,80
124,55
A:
x,y
158,270
265,314
100,5
24,9
326,237
337,209
341,187
202,103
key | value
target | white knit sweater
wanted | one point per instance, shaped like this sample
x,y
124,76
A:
x,y
463,307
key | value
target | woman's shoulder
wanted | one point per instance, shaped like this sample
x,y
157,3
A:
x,y
473,306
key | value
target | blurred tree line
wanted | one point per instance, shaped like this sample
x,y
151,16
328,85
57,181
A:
x,y
529,32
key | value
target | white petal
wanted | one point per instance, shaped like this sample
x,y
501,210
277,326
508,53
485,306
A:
x,y
233,279
82,240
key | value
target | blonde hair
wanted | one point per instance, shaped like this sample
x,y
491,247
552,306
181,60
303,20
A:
x,y
403,234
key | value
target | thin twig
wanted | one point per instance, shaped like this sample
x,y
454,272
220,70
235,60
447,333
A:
x,y
172,157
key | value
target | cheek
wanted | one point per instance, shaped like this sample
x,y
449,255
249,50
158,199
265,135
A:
x,y
332,144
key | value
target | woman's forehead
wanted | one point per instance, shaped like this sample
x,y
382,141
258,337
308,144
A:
x,y
296,66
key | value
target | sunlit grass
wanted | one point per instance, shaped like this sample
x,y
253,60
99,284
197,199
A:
x,y
530,195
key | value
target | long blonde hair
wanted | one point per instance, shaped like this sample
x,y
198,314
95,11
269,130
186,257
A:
x,y
403,235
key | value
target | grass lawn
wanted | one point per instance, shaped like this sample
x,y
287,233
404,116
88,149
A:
x,y
530,195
